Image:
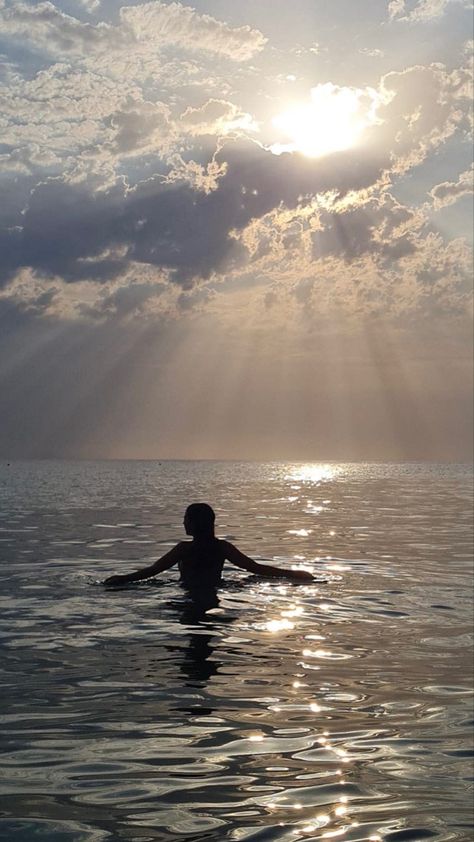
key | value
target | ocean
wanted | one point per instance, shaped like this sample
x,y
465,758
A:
x,y
337,710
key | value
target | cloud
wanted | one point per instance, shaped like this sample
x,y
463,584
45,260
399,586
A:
x,y
422,107
380,226
140,127
140,293
90,5
199,219
71,231
216,117
55,32
129,300
184,27
431,280
63,111
366,255
31,296
424,10
95,109
396,8
143,28
373,52
449,192
114,180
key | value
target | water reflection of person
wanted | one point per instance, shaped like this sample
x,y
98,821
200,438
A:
x,y
201,560
202,629
197,663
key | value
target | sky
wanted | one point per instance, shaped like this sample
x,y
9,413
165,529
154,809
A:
x,y
236,230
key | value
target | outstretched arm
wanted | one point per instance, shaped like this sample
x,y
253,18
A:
x,y
240,560
163,563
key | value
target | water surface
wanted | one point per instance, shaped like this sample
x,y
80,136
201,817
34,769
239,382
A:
x,y
338,710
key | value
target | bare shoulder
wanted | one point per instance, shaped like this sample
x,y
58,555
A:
x,y
183,548
225,546
230,551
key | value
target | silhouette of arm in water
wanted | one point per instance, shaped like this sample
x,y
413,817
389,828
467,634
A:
x,y
163,563
238,558
231,553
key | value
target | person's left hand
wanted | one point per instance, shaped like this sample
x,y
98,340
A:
x,y
301,576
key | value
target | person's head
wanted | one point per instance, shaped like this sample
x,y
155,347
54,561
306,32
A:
x,y
199,520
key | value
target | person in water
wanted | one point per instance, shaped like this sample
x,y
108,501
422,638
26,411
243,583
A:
x,y
201,560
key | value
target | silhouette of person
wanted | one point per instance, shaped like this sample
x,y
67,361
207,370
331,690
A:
x,y
201,560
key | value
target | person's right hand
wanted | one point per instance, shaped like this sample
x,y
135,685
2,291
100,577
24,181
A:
x,y
113,580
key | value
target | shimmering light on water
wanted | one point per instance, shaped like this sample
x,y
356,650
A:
x,y
300,533
314,472
338,710
279,625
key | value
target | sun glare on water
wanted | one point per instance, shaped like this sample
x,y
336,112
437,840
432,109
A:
x,y
314,473
334,120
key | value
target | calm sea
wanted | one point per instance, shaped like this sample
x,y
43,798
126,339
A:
x,y
340,710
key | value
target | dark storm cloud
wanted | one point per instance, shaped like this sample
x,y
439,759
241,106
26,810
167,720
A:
x,y
70,231
61,228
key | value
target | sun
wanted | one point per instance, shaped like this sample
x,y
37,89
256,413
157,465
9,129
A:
x,y
335,119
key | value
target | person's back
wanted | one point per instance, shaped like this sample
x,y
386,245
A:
x,y
201,564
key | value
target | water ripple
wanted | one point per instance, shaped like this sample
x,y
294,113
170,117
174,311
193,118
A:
x,y
337,710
